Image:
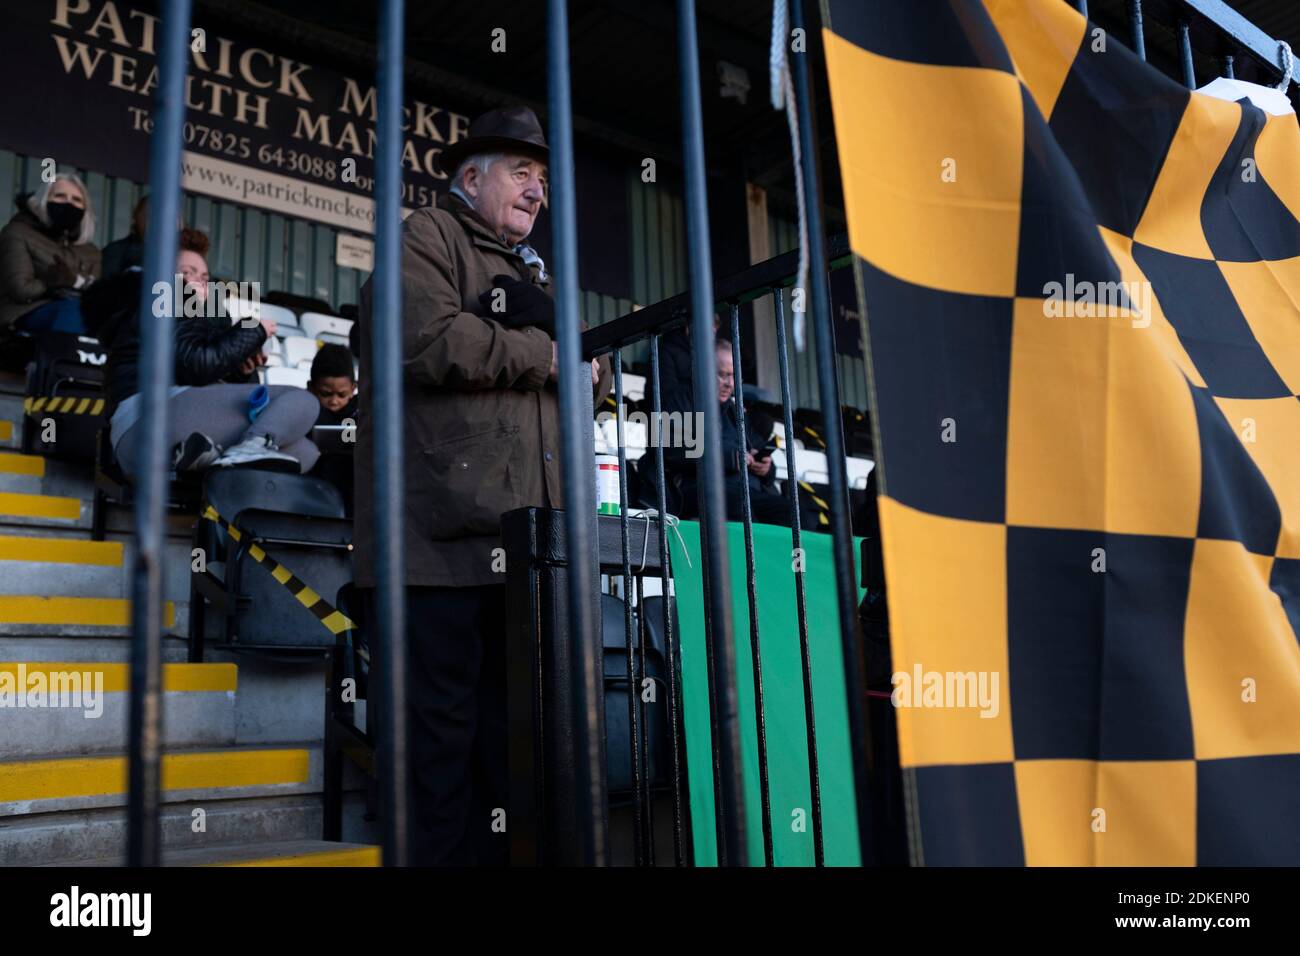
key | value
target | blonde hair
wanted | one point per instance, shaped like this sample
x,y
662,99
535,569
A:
x,y
40,200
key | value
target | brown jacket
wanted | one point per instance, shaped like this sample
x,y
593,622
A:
x,y
480,423
26,251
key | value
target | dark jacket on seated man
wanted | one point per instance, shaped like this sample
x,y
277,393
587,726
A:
x,y
205,350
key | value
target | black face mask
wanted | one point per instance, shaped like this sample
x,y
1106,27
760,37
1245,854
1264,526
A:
x,y
64,217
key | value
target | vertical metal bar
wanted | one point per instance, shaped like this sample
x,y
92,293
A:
x,y
389,443
665,584
1228,67
796,539
144,764
579,486
1185,47
842,543
1135,28
730,802
633,711
760,710
645,724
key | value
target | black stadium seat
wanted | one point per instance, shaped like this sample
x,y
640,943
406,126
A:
x,y
287,521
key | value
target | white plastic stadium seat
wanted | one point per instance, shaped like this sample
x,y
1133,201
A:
x,y
633,387
282,317
858,470
778,462
272,347
327,328
274,361
299,349
287,376
251,309
811,467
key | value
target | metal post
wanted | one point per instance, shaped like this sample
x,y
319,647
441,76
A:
x,y
845,576
1185,47
679,837
634,724
144,762
579,464
1135,27
801,603
1227,67
388,444
729,802
751,587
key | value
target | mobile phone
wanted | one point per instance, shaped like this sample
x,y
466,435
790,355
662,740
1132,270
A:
x,y
764,452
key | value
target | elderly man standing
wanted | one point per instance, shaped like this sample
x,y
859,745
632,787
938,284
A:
x,y
482,437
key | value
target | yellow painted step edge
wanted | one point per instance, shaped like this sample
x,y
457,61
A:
x,y
192,678
18,505
355,856
13,463
96,776
61,550
94,612
6,430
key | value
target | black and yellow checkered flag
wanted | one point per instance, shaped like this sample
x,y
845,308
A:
x,y
1080,285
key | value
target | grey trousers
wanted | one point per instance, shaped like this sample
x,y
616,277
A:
x,y
221,413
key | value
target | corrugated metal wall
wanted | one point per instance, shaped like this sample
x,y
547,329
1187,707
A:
x,y
293,255
784,236
284,254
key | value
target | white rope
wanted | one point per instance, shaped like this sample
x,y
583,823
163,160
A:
x,y
670,521
1287,63
782,87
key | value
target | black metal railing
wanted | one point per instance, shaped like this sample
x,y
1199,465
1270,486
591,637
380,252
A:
x,y
696,308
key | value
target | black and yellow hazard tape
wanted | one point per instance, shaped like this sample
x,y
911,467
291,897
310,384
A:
x,y
334,620
64,405
815,437
823,509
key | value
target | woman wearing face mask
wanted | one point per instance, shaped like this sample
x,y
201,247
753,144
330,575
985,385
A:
x,y
47,258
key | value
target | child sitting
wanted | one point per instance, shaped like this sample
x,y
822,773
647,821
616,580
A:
x,y
334,384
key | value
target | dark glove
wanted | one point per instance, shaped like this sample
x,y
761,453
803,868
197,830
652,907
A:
x,y
525,304
59,274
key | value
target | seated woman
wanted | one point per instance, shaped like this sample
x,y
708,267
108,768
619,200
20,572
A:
x,y
208,423
47,258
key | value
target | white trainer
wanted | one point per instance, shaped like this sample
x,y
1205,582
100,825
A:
x,y
260,449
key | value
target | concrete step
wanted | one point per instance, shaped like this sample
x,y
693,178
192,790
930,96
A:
x,y
279,701
55,477
52,564
65,784
98,837
21,473
296,853
199,706
89,649
25,510
286,853
30,615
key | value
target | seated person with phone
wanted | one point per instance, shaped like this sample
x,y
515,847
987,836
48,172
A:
x,y
749,460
